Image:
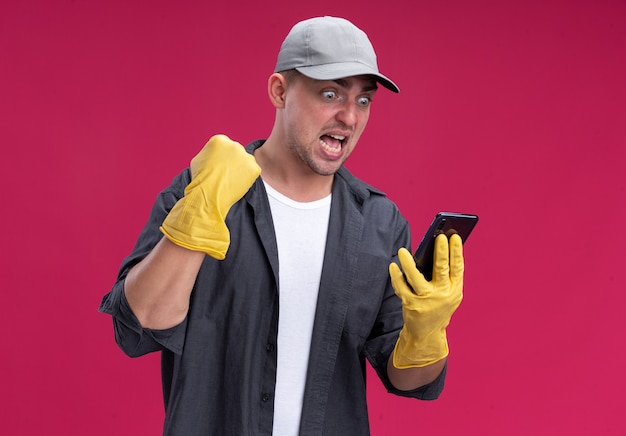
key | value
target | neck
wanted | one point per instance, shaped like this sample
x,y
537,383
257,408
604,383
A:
x,y
298,181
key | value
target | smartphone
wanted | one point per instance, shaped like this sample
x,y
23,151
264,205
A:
x,y
447,223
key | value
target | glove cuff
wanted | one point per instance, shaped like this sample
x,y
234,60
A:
x,y
214,248
410,352
195,224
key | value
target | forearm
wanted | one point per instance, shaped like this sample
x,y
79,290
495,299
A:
x,y
413,378
159,287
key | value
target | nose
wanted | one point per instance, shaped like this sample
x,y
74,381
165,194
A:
x,y
348,113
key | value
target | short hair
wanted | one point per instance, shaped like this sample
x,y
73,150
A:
x,y
290,75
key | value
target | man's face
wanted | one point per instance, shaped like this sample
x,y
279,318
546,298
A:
x,y
324,119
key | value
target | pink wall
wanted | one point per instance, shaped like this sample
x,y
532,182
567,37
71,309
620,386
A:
x,y
515,111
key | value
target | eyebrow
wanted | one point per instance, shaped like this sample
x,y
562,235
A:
x,y
344,84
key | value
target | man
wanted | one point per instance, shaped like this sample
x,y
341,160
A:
x,y
266,275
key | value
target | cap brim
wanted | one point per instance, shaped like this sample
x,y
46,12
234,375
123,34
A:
x,y
346,69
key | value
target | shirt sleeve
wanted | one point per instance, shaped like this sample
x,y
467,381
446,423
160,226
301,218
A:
x,y
130,336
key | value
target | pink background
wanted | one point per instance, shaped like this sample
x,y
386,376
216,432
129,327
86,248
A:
x,y
515,111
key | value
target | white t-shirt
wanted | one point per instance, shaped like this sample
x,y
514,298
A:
x,y
301,230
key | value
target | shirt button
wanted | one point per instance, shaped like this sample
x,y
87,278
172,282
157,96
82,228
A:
x,y
270,347
265,398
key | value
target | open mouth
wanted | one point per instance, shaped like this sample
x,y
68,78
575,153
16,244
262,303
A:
x,y
332,143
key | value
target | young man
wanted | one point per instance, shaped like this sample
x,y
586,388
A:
x,y
266,275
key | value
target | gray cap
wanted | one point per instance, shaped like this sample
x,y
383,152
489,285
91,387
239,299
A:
x,y
329,48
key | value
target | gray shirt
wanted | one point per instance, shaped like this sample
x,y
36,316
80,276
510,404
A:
x,y
219,364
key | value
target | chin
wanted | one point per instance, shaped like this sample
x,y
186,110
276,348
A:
x,y
327,170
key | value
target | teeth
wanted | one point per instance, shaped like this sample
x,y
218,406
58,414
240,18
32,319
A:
x,y
338,137
327,147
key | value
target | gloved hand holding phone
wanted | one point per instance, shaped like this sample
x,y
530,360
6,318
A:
x,y
427,306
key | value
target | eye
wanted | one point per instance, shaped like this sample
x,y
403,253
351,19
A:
x,y
364,101
329,95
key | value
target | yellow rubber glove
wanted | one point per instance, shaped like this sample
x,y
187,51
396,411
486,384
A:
x,y
221,174
427,307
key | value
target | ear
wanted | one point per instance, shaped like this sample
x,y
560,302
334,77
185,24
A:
x,y
276,89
